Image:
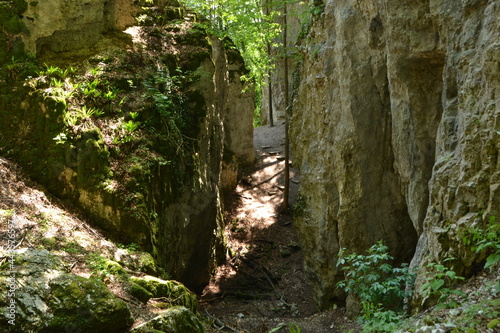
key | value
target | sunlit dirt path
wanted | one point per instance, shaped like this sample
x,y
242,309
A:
x,y
263,285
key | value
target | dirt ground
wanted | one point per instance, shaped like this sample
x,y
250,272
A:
x,y
263,285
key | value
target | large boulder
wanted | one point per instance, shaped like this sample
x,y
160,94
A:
x,y
175,293
46,298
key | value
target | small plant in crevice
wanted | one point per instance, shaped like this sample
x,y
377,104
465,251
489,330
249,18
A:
x,y
131,248
439,282
300,206
485,240
169,112
103,268
130,126
379,286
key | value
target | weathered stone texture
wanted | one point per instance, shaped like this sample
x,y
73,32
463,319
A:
x,y
69,26
191,230
48,299
182,229
395,129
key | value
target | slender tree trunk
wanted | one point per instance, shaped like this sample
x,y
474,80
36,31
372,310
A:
x,y
269,87
286,191
270,90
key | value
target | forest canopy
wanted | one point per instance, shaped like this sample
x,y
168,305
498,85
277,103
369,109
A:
x,y
250,26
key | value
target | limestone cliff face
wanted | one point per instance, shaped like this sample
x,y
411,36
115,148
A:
x,y
171,206
189,233
395,130
71,26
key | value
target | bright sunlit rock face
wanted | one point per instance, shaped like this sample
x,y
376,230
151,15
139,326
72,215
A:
x,y
68,26
173,205
396,133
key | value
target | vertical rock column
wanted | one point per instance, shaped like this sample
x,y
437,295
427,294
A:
x,y
415,68
342,130
465,184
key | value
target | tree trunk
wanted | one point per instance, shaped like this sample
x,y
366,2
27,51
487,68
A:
x,y
269,88
286,191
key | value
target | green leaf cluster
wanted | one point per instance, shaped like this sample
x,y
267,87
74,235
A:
x,y
485,240
439,280
246,24
380,287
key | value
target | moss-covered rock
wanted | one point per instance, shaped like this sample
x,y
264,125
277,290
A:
x,y
142,294
174,320
93,157
175,291
138,261
85,304
136,141
47,299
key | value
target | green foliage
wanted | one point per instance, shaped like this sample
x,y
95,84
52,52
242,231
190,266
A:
x,y
245,23
372,278
485,240
56,72
131,126
294,328
169,103
102,268
77,116
376,320
380,287
439,281
131,248
300,206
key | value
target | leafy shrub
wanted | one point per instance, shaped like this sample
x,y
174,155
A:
x,y
380,287
485,240
439,280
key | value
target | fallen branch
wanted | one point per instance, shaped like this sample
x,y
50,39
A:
x,y
219,322
22,239
127,299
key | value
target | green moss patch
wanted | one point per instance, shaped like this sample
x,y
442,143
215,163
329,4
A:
x,y
175,292
86,304
47,299
174,320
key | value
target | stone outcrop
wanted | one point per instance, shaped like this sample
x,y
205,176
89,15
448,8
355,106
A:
x,y
189,232
47,299
172,204
69,26
395,131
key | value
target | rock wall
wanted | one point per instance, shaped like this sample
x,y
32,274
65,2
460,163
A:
x,y
190,234
169,202
395,130
69,26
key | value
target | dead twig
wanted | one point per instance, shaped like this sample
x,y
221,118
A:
x,y
127,299
22,239
219,322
